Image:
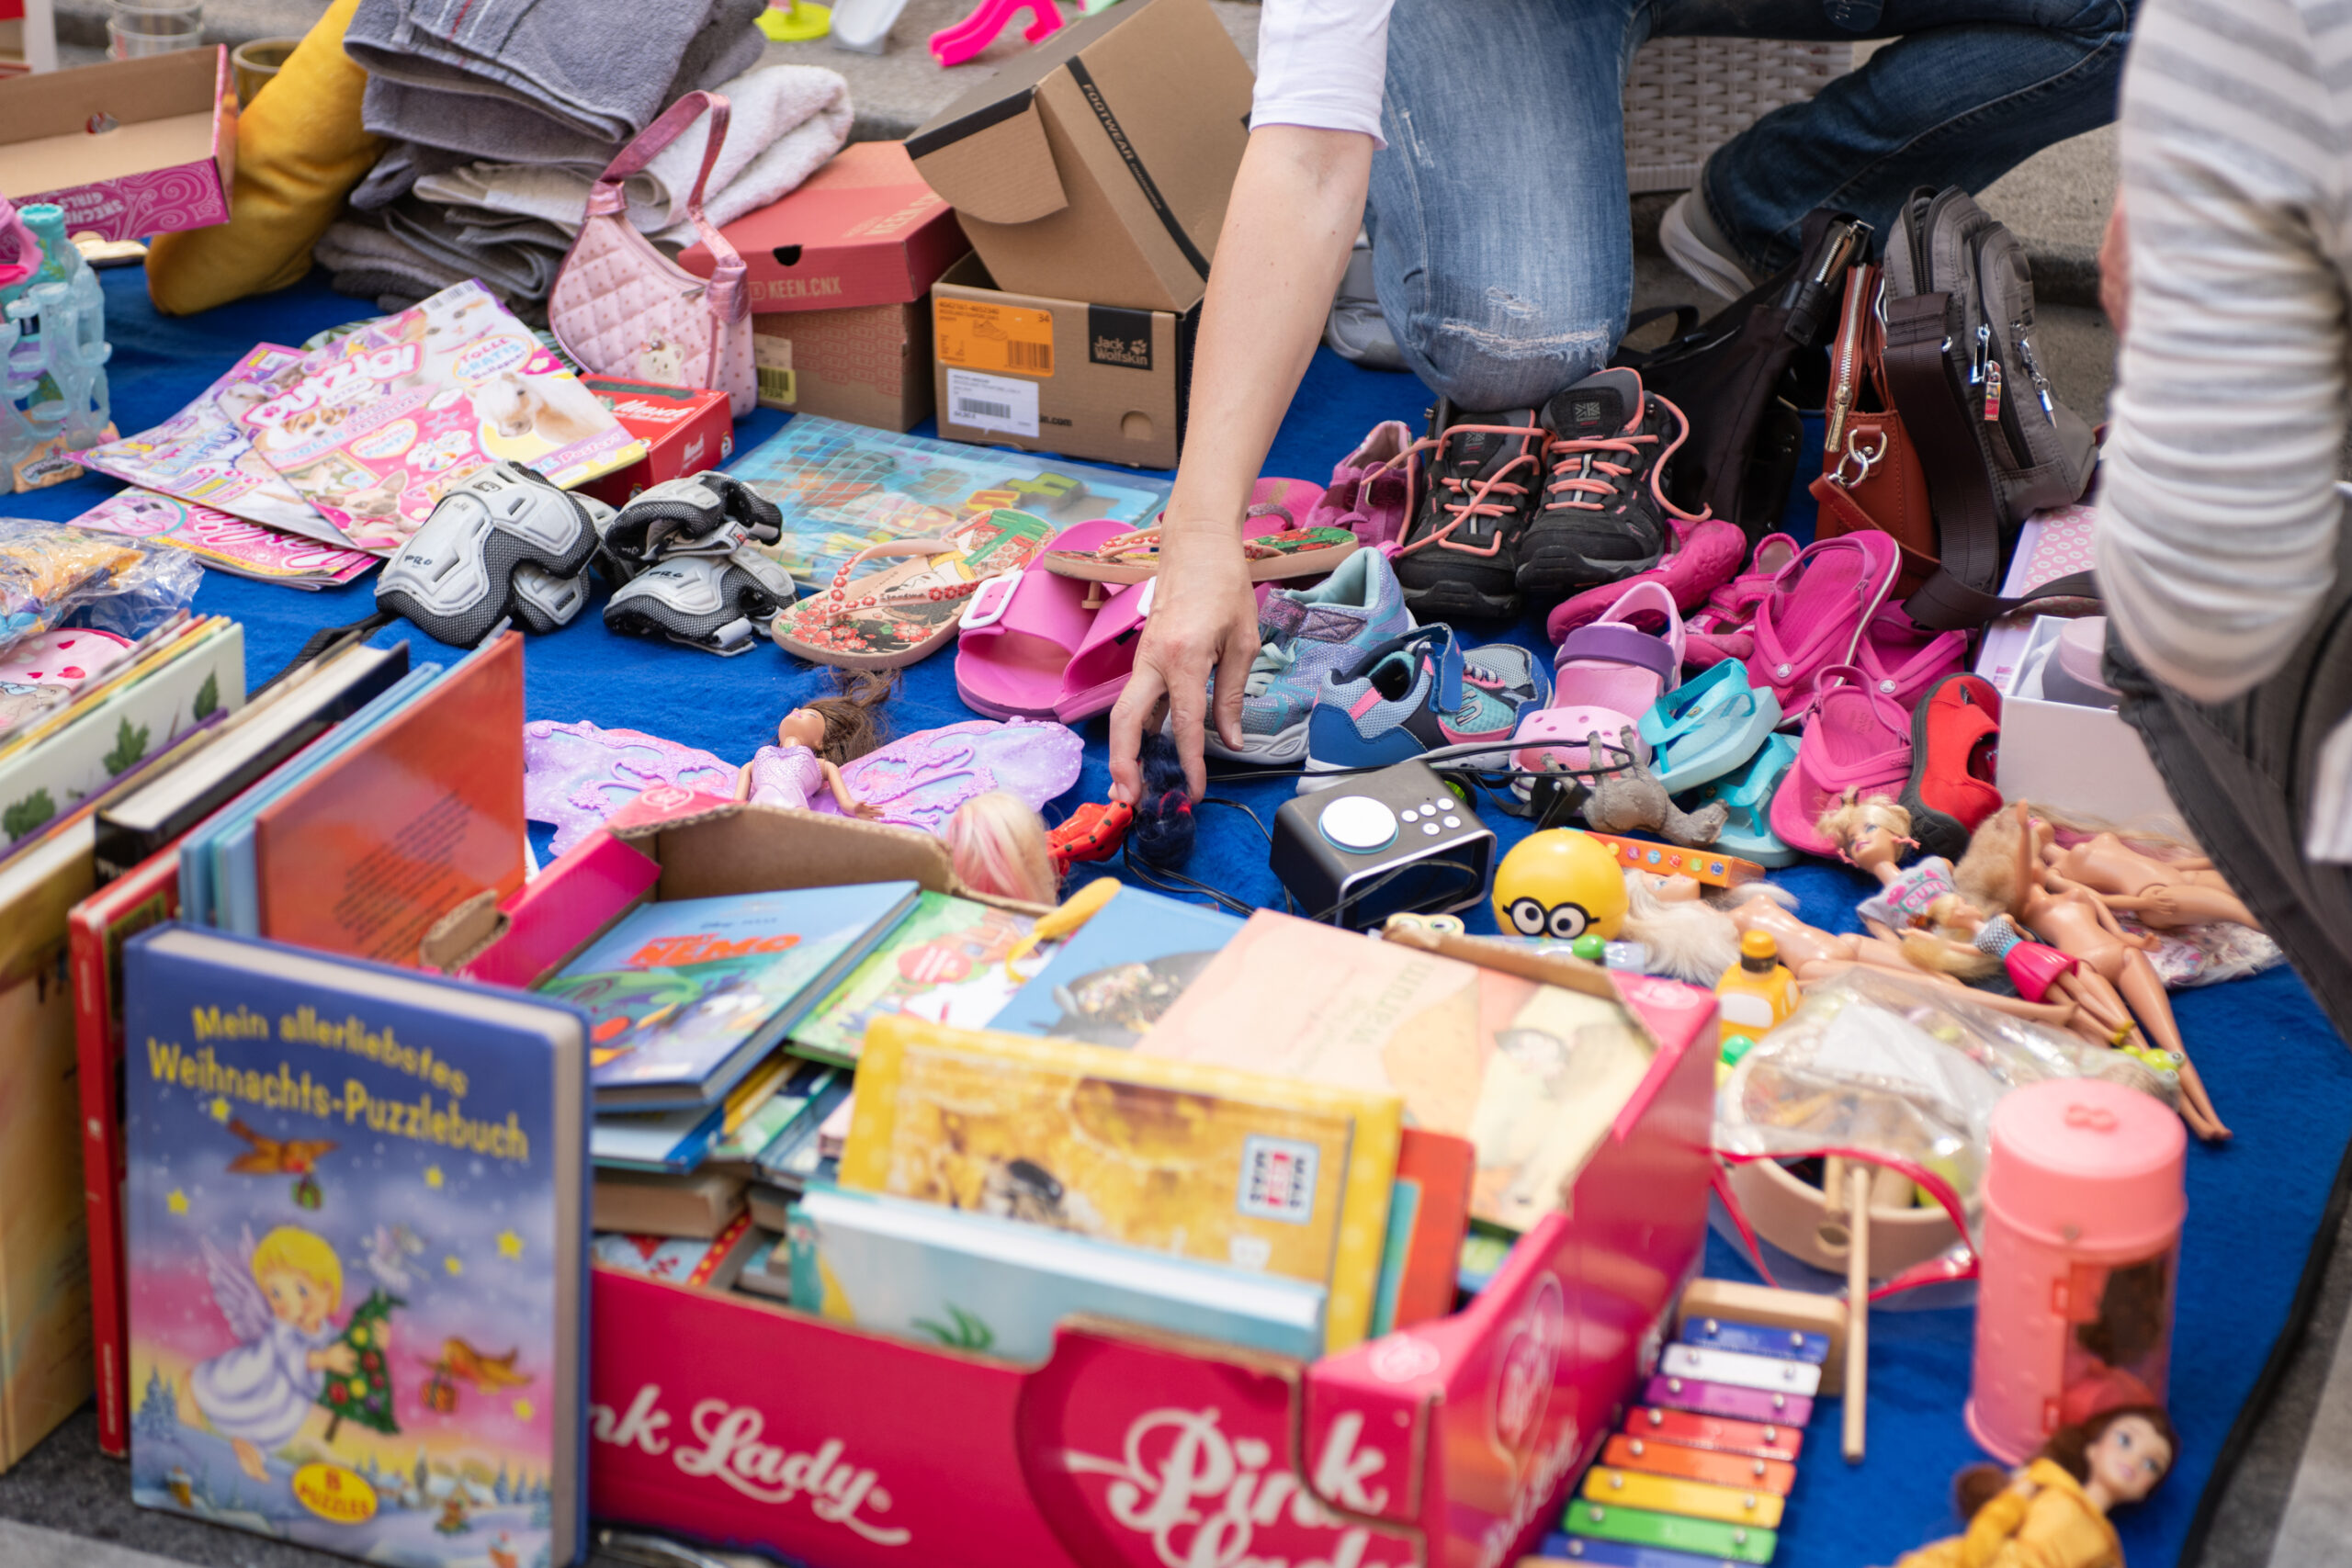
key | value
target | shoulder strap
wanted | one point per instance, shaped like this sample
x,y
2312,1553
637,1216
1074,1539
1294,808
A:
x,y
609,199
1968,520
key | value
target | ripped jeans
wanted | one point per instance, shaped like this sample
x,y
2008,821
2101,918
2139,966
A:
x,y
1502,248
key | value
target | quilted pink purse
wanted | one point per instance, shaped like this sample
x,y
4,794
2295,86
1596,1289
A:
x,y
621,308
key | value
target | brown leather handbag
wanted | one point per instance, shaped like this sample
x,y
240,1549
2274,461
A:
x,y
1870,476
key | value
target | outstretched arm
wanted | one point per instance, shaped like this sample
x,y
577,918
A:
x,y
1297,205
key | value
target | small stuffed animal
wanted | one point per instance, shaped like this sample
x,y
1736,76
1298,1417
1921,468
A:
x,y
1631,799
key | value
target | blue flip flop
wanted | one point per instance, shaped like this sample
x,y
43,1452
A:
x,y
1703,730
1748,792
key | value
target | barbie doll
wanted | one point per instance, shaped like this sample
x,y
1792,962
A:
x,y
2053,1513
999,846
812,742
2160,893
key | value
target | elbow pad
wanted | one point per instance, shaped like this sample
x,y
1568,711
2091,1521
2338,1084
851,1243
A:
x,y
720,604
707,513
465,570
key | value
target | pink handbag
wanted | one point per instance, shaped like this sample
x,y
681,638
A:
x,y
621,308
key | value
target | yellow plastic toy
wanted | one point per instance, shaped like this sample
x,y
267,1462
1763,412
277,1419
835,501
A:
x,y
795,21
1561,884
1755,993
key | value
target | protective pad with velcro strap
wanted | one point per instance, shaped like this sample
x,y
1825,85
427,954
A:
x,y
687,515
454,576
714,603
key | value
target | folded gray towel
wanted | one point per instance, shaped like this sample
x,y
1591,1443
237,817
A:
x,y
415,242
597,70
397,172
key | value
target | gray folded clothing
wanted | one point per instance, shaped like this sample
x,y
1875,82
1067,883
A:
x,y
397,172
412,247
591,73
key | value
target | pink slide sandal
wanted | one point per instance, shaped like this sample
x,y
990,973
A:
x,y
1606,677
1903,660
1813,618
1020,630
1856,741
1098,671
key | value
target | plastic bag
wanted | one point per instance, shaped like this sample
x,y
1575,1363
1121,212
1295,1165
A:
x,y
52,574
1876,1064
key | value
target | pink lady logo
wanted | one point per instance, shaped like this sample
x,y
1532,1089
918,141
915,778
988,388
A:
x,y
1523,1373
1201,1496
729,1451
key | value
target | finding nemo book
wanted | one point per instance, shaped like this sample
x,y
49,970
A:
x,y
356,1254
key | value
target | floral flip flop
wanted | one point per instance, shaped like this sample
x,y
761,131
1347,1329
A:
x,y
906,612
1273,557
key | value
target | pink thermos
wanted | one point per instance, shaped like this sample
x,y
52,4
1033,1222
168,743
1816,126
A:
x,y
2083,1204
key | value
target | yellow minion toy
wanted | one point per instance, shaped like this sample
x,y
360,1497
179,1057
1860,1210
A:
x,y
1560,883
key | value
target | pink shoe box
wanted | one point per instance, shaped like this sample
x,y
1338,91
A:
x,y
731,1419
129,148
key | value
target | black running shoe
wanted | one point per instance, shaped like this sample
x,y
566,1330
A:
x,y
1460,558
1603,514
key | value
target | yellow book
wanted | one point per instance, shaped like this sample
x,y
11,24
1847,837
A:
x,y
1209,1163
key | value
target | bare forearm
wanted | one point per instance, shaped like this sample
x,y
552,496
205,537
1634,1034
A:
x,y
1295,207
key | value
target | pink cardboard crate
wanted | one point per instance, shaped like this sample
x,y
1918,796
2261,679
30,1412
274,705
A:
x,y
729,1419
129,148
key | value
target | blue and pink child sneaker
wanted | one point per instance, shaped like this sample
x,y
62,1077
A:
x,y
1304,635
1421,693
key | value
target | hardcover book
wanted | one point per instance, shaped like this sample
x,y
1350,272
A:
x,y
995,1287
711,1263
358,1206
1223,1167
1531,1074
945,962
1120,971
689,995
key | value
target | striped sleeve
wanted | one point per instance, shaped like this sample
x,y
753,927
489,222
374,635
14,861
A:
x,y
1322,63
2220,509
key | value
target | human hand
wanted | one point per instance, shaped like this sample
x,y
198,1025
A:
x,y
2115,268
338,1358
1203,620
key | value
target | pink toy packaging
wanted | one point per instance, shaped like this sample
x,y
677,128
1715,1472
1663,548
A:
x,y
2084,1198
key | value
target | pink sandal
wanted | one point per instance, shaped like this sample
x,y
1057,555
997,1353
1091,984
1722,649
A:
x,y
1707,552
1020,630
1724,628
1373,488
1813,618
1606,676
1855,741
1904,661
1105,656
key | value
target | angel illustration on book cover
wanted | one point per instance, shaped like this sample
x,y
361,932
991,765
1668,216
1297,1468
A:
x,y
278,1302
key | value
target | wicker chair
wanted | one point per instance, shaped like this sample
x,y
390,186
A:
x,y
1686,96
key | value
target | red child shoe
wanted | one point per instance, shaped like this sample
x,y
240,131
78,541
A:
x,y
1955,747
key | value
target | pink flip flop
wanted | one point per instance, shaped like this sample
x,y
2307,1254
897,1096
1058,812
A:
x,y
1857,742
1606,676
1706,554
1903,660
1105,656
1811,620
1725,627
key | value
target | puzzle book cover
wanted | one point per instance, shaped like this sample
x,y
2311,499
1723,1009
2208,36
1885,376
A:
x,y
355,1275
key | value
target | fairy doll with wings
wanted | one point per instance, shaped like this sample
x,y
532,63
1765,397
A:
x,y
278,1302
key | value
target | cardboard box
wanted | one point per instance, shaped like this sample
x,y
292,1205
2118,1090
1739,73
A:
x,y
718,1416
164,159
2079,762
686,430
1049,374
1097,167
863,230
869,365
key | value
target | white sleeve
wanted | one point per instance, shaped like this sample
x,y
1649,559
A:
x,y
1321,63
2219,518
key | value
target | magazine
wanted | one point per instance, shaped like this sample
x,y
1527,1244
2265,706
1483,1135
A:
x,y
843,486
201,454
373,426
226,543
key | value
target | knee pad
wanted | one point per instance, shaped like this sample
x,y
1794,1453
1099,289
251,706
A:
x,y
456,576
718,603
541,601
703,514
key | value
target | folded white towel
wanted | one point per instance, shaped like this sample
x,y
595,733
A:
x,y
785,121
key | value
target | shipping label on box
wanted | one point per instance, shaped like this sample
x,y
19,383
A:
x,y
686,430
129,148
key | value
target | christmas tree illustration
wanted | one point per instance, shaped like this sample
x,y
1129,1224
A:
x,y
365,1394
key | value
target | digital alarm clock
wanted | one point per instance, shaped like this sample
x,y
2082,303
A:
x,y
1396,842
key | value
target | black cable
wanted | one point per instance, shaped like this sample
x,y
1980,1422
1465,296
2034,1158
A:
x,y
2257,1408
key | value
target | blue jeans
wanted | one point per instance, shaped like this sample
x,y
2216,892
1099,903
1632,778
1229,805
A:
x,y
1502,245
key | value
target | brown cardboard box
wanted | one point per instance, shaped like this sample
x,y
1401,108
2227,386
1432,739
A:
x,y
1049,374
870,366
168,162
1097,167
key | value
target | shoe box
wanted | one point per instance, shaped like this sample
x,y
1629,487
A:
x,y
686,430
1047,374
2083,762
724,1417
165,162
837,273
1097,165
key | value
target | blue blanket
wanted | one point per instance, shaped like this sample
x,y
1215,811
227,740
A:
x,y
2276,1068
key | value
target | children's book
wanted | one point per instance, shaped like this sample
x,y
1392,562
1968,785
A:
x,y
357,1252
689,995
1531,1074
702,1203
227,544
995,1287
371,427
1120,971
780,1113
945,962
843,486
798,1153
1228,1167
202,456
655,1140
1416,1273
683,1260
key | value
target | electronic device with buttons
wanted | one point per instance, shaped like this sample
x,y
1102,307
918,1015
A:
x,y
1396,842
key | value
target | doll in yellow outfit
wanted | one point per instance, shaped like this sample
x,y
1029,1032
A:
x,y
2053,1514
